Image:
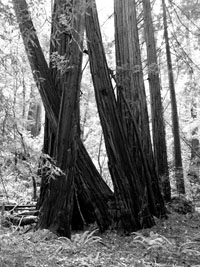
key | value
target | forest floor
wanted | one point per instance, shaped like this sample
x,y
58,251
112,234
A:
x,y
172,242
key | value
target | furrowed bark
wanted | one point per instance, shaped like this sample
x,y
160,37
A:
x,y
158,126
130,86
130,191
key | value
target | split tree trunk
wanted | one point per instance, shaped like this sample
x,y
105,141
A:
x,y
56,218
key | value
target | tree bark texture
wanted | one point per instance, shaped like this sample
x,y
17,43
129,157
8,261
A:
x,y
130,190
175,122
130,84
158,126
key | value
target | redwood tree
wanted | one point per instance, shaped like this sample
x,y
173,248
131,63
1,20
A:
x,y
158,127
56,197
132,191
175,122
137,196
130,84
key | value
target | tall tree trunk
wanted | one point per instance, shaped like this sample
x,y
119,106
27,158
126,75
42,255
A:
x,y
158,127
65,151
58,45
130,190
130,83
175,122
57,218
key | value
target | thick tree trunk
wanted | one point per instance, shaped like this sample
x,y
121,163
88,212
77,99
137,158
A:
x,y
131,190
158,127
54,218
175,122
102,215
130,84
66,136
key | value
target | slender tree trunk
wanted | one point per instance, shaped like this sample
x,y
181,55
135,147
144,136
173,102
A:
x,y
23,97
130,84
175,122
158,127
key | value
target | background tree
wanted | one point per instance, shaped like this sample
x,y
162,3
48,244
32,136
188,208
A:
x,y
158,126
34,113
175,123
186,31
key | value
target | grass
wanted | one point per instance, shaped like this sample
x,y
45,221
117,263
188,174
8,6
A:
x,y
173,242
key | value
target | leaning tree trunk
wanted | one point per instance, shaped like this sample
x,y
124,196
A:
x,y
158,127
175,123
39,67
130,84
51,102
131,190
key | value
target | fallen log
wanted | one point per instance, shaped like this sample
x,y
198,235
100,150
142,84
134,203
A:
x,y
17,207
22,221
28,213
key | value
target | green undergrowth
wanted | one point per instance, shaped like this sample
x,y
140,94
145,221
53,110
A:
x,y
172,242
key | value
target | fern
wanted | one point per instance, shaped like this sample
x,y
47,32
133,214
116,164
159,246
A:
x,y
156,243
86,238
